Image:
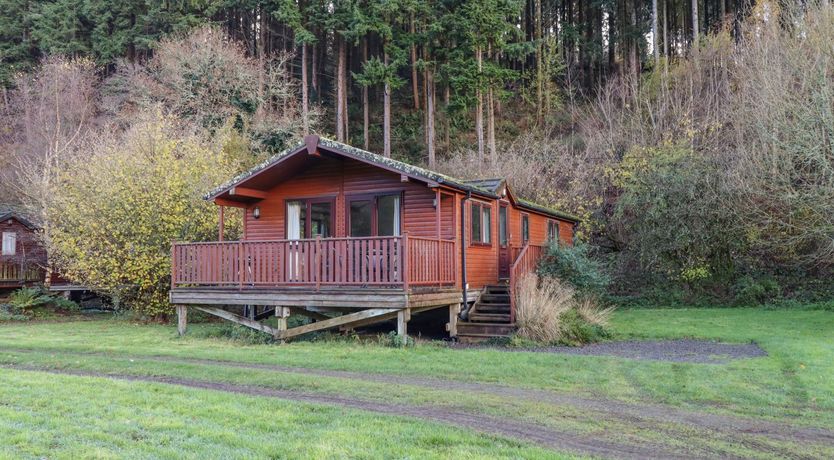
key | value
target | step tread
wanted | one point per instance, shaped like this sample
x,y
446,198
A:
x,y
482,335
478,314
465,324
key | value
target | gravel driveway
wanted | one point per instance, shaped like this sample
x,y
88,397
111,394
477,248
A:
x,y
680,350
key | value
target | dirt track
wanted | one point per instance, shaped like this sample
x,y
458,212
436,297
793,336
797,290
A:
x,y
757,435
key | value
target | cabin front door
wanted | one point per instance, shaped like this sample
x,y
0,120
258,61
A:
x,y
503,243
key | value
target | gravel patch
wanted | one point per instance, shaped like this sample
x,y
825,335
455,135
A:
x,y
679,351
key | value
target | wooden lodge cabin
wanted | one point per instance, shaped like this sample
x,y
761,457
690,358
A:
x,y
349,238
22,257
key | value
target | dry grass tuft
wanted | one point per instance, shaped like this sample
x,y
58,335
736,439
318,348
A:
x,y
547,310
589,310
540,306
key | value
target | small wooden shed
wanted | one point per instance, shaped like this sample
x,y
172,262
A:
x,y
22,257
348,238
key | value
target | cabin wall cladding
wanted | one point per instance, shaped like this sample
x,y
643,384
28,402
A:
x,y
337,180
28,248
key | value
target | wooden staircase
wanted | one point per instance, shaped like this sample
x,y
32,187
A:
x,y
489,317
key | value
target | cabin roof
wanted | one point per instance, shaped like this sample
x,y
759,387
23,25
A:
x,y
493,185
6,214
489,188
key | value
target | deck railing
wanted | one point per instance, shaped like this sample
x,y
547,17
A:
x,y
19,272
524,262
371,262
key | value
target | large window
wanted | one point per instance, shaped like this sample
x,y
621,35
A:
x,y
9,244
481,223
553,231
525,228
377,215
309,218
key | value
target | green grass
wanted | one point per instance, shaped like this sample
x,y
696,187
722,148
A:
x,y
795,381
49,416
793,384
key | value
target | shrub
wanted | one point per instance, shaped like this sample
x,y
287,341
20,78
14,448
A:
x,y
237,333
574,265
8,312
398,341
549,311
27,299
751,291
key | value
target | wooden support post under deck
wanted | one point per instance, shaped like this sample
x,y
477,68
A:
x,y
282,313
452,325
402,321
182,319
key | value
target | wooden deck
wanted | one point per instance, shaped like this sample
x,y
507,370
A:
x,y
336,282
14,275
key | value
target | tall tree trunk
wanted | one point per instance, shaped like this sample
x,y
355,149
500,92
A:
x,y
493,153
428,81
366,117
537,35
386,114
340,96
695,23
415,85
315,69
447,132
305,103
655,41
479,110
666,31
345,117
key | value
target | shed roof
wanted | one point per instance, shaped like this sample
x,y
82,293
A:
x,y
8,213
483,187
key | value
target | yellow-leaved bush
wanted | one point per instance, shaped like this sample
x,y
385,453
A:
x,y
114,212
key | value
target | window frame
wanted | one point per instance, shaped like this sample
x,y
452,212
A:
x,y
525,228
504,240
488,234
12,250
308,203
553,238
373,197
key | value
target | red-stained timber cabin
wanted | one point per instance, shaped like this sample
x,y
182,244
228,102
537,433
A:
x,y
349,238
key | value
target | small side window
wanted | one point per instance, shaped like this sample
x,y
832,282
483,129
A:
x,y
9,243
525,228
481,223
553,231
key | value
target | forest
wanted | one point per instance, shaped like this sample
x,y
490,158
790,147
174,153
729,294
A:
x,y
694,138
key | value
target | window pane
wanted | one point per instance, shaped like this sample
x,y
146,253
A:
x,y
360,217
320,220
525,228
296,213
502,225
388,215
487,224
476,223
9,243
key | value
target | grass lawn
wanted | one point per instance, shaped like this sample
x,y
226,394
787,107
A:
x,y
793,384
49,416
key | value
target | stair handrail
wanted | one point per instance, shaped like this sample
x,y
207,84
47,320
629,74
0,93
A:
x,y
514,279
